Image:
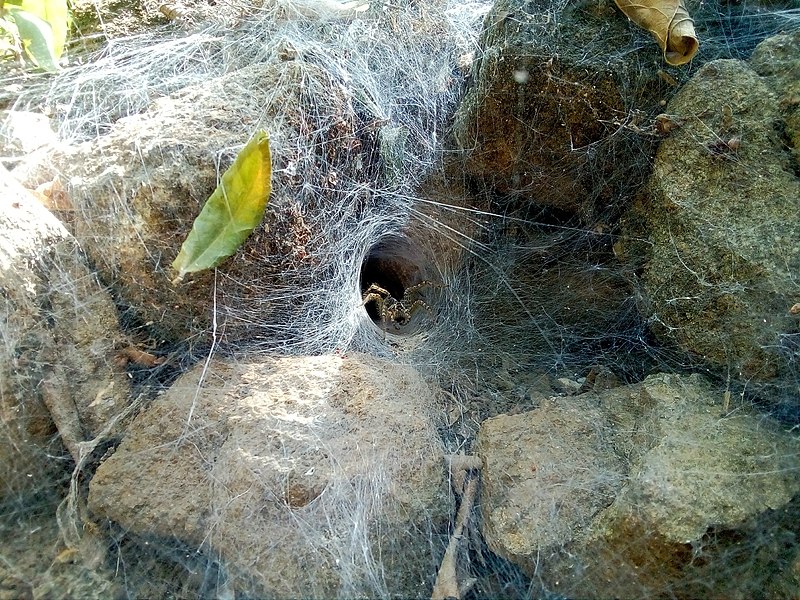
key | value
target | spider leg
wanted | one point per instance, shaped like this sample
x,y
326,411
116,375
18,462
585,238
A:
x,y
384,318
374,297
416,304
424,283
417,286
376,290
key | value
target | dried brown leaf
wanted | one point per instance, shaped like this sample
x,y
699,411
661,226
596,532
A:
x,y
53,196
669,22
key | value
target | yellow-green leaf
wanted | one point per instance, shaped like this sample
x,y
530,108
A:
x,y
37,39
53,12
232,212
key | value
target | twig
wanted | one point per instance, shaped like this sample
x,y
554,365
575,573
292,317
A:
x,y
446,585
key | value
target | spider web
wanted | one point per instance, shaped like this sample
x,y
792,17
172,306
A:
x,y
513,294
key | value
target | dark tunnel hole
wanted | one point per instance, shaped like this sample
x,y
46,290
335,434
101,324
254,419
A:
x,y
394,265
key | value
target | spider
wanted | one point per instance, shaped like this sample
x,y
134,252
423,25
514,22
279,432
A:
x,y
391,309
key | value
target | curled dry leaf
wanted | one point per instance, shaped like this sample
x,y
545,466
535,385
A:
x,y
669,22
173,11
140,357
665,124
53,196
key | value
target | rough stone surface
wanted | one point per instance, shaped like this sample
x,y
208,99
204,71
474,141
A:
x,y
706,469
777,61
59,329
549,90
308,476
724,221
560,111
22,132
546,462
138,189
604,494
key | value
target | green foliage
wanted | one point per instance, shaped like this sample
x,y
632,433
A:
x,y
39,27
232,212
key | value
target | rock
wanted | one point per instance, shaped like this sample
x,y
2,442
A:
x,y
338,120
98,21
559,113
569,386
547,94
724,224
606,494
309,476
546,473
777,61
22,132
59,331
705,470
138,189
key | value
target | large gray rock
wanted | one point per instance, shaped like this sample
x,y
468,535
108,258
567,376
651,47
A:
x,y
309,476
605,494
724,223
59,333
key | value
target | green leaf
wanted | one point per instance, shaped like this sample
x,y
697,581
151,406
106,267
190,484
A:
x,y
232,212
53,12
37,38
